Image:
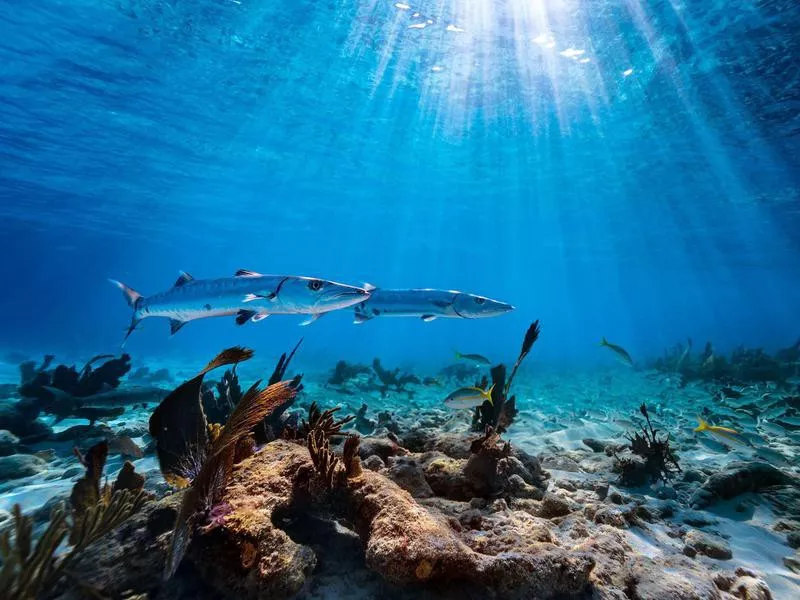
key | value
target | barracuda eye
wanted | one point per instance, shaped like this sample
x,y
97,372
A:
x,y
315,285
480,300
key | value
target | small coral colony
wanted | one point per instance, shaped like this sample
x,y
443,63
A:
x,y
433,493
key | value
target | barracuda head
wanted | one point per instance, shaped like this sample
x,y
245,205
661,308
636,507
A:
x,y
470,306
320,295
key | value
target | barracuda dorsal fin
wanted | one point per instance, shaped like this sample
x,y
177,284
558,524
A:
x,y
184,277
175,325
246,273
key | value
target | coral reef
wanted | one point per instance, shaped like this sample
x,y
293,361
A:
x,y
415,506
184,438
500,413
743,366
393,380
275,422
362,423
344,372
64,392
648,459
218,406
179,425
29,572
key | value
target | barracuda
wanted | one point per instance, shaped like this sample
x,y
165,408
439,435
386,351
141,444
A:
x,y
250,296
428,305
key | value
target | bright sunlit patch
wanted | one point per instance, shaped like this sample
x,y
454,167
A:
x,y
437,68
627,72
545,39
454,28
402,6
573,53
418,26
584,60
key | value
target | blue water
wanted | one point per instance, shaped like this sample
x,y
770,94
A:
x,y
627,169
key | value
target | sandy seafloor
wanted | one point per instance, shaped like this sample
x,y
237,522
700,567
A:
x,y
558,410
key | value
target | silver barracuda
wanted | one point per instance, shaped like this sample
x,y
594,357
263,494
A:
x,y
428,305
249,296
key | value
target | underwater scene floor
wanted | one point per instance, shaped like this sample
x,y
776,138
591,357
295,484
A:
x,y
588,484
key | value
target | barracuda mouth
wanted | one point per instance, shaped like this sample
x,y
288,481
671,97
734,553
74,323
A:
x,y
347,296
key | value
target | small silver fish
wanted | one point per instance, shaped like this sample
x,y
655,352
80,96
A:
x,y
468,397
619,352
476,358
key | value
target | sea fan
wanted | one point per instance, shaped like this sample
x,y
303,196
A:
x,y
215,472
530,338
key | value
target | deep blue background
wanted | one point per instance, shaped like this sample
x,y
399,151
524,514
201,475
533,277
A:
x,y
333,139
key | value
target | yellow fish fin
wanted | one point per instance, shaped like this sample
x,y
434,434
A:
x,y
488,395
703,425
724,430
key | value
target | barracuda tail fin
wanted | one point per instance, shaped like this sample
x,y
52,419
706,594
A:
x,y
131,295
133,298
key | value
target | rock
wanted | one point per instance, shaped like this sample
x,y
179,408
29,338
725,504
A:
x,y
793,539
373,463
405,542
406,472
597,445
161,518
379,446
618,517
454,445
72,472
18,466
651,581
8,442
738,478
249,556
693,476
708,545
83,434
792,563
446,477
130,560
560,463
517,487
750,588
554,506
697,518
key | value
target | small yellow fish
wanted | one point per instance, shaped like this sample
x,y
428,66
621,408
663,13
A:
x,y
725,433
619,352
469,397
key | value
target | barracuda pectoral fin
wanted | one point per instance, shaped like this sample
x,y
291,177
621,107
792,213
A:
x,y
441,303
243,316
361,318
311,319
250,297
175,325
428,318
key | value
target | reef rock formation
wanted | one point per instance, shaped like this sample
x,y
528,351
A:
x,y
248,555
